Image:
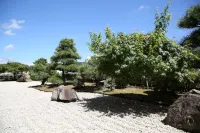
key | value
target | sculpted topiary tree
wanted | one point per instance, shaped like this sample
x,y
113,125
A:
x,y
65,57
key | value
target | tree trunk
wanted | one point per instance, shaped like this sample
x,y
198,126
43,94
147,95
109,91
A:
x,y
63,77
147,84
43,81
14,76
96,83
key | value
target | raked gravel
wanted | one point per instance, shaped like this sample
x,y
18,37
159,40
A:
x,y
27,110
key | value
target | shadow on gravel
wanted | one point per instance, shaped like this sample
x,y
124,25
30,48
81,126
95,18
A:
x,y
35,87
110,105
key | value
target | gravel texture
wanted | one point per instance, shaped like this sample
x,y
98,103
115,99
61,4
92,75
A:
x,y
27,110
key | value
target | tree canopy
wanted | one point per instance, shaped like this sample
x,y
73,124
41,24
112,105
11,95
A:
x,y
2,68
191,20
65,57
88,71
145,58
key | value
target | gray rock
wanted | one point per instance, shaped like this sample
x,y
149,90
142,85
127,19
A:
x,y
184,113
24,77
64,94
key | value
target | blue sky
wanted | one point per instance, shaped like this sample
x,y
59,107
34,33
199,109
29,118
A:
x,y
30,29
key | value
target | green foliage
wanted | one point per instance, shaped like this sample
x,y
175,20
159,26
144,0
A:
x,y
149,59
192,40
65,57
55,78
162,20
41,70
3,68
88,71
191,20
78,82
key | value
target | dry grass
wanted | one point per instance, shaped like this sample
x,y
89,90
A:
x,y
130,90
127,91
89,84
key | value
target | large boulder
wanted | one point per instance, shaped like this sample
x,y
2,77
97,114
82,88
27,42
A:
x,y
184,113
64,94
24,77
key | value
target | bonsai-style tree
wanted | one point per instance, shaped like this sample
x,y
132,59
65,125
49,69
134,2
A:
x,y
65,58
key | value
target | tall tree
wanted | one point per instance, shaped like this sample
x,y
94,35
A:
x,y
191,20
65,57
41,70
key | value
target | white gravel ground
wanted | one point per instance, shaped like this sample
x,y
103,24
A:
x,y
27,110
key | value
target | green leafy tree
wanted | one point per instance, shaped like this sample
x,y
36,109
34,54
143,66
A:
x,y
148,59
65,57
88,71
16,68
41,70
191,20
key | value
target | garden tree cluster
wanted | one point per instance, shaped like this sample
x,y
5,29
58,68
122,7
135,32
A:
x,y
41,70
65,58
191,20
88,71
14,67
148,59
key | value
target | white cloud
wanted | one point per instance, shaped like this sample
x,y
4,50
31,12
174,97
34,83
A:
x,y
9,47
14,24
143,7
9,33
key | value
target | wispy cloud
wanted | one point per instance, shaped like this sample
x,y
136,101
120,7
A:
x,y
9,47
9,33
12,25
143,7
